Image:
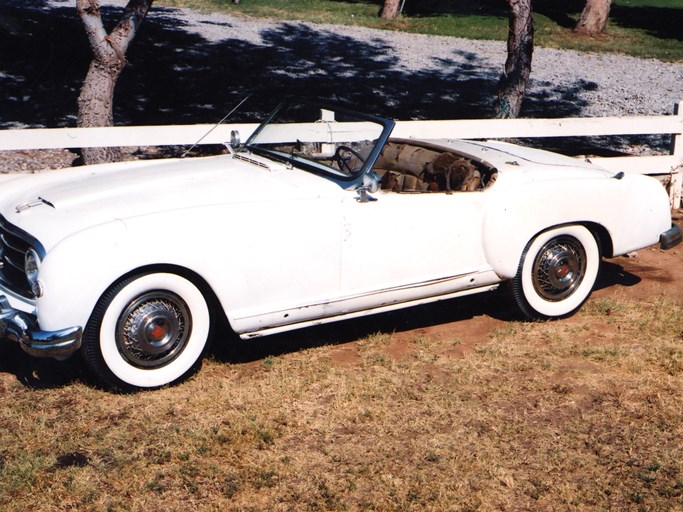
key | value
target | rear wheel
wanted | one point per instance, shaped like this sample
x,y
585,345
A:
x,y
146,331
556,273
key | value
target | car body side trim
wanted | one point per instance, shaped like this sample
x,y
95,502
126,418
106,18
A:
x,y
365,312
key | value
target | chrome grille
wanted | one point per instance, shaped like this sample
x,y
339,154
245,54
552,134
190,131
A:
x,y
14,243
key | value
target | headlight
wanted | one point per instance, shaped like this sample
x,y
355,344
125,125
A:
x,y
31,267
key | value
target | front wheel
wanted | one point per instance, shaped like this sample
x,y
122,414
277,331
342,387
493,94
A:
x,y
556,273
148,330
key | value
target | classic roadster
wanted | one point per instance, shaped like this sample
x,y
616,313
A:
x,y
318,216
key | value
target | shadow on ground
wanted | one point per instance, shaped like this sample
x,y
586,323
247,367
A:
x,y
660,22
175,76
498,305
35,373
230,349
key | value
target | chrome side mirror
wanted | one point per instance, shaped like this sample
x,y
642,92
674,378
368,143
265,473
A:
x,y
234,138
369,185
371,181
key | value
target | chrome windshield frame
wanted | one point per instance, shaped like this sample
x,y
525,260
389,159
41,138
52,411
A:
x,y
347,182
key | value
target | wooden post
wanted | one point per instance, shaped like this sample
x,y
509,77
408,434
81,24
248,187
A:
x,y
677,152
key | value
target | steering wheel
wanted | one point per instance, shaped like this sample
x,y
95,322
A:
x,y
343,156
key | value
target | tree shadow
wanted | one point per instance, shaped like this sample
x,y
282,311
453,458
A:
x,y
425,8
564,14
660,22
176,76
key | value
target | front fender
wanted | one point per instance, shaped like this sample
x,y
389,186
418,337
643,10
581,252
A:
x,y
80,268
74,276
633,211
236,249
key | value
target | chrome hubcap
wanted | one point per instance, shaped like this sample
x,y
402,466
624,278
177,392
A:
x,y
559,268
154,329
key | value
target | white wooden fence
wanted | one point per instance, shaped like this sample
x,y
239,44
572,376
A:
x,y
668,168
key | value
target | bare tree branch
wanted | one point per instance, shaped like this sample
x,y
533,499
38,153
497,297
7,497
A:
x,y
89,11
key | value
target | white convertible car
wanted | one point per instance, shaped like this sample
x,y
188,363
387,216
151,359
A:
x,y
319,216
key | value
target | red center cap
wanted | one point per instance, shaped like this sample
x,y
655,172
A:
x,y
157,332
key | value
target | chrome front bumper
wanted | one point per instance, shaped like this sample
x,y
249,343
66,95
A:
x,y
23,328
671,237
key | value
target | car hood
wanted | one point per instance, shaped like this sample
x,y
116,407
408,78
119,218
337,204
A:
x,y
52,204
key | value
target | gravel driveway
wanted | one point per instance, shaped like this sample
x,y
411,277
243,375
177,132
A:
x,y
611,84
606,84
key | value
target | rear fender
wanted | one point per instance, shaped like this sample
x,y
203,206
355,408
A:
x,y
624,214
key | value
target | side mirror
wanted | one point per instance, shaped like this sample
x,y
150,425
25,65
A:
x,y
234,138
371,181
369,186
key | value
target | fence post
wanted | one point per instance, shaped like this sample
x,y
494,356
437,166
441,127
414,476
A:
x,y
677,152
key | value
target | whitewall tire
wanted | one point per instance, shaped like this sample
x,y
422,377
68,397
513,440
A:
x,y
556,273
146,331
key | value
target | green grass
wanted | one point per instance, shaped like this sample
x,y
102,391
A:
x,y
640,28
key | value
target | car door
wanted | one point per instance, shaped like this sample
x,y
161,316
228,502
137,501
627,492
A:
x,y
289,267
402,246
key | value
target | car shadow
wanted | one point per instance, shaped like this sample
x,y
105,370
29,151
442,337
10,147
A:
x,y
497,304
37,373
612,274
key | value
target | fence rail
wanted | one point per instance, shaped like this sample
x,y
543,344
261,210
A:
x,y
669,168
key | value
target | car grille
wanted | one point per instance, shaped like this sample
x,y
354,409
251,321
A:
x,y
14,243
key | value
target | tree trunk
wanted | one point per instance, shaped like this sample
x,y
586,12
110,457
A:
x,y
389,9
593,18
95,107
96,99
512,84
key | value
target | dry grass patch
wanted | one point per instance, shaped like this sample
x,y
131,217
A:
x,y
582,414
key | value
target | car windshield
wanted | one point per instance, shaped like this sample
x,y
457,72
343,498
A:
x,y
324,140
